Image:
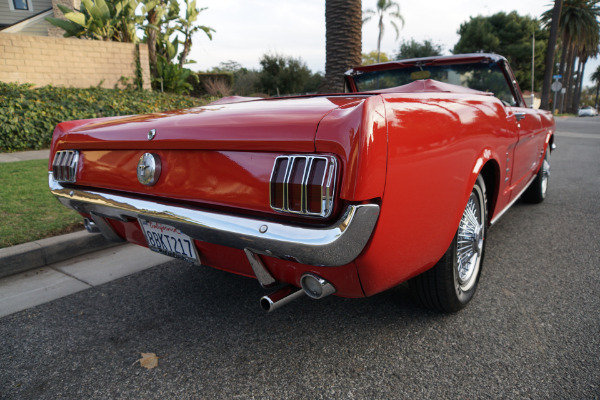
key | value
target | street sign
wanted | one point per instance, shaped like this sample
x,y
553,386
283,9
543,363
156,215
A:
x,y
556,86
556,76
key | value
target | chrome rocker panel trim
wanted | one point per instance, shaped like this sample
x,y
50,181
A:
x,y
334,245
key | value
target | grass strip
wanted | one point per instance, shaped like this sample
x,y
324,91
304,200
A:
x,y
28,211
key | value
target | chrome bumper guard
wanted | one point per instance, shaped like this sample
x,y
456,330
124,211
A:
x,y
333,245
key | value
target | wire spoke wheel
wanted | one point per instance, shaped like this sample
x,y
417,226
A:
x,y
469,246
545,175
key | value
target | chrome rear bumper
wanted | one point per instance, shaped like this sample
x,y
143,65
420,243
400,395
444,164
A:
x,y
333,245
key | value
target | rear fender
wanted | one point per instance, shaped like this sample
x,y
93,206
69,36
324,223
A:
x,y
358,135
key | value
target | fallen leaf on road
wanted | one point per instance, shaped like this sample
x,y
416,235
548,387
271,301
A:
x,y
148,360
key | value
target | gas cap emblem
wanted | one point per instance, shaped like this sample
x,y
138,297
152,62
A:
x,y
148,169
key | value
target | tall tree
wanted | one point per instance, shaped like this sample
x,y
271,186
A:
x,y
414,49
509,35
153,9
588,48
188,28
549,63
343,42
283,75
371,57
578,27
385,9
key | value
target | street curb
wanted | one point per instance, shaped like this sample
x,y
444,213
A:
x,y
37,254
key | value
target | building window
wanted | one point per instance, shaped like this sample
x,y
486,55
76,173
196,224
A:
x,y
20,4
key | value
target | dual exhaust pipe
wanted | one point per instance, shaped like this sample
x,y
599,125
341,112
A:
x,y
312,285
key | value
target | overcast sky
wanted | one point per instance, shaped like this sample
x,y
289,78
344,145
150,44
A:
x,y
246,29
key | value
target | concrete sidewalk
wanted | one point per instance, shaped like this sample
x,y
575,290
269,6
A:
x,y
24,156
41,285
43,252
40,253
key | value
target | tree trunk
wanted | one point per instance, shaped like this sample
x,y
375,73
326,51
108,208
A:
x,y
379,38
578,86
561,71
186,49
343,23
151,34
549,64
571,75
567,76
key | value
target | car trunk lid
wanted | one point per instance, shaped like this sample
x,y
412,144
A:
x,y
286,124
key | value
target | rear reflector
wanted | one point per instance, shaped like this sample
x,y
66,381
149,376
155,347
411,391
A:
x,y
303,184
64,166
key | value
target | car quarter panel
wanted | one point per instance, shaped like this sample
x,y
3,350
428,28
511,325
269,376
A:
x,y
358,135
437,145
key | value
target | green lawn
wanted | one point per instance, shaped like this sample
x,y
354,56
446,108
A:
x,y
28,211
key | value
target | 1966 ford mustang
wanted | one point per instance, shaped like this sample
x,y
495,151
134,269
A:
x,y
398,179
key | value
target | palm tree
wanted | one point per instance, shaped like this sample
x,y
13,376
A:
x,y
588,48
343,42
385,8
549,63
579,33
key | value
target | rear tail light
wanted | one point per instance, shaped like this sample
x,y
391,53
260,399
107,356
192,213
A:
x,y
303,184
64,166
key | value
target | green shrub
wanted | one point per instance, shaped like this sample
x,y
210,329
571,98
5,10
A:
x,y
28,116
200,80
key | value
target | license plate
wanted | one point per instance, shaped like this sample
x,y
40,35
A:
x,y
168,240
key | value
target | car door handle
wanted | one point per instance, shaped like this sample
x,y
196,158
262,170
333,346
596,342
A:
x,y
520,115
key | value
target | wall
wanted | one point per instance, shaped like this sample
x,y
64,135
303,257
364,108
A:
x,y
68,62
9,16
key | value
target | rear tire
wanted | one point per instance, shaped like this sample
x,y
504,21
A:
x,y
536,192
452,282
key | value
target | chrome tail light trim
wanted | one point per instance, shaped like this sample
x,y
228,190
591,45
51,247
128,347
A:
x,y
64,166
326,183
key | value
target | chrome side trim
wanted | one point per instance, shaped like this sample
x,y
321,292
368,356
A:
x,y
333,245
509,205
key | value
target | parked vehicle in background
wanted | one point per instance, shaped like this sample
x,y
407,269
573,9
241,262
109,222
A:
x,y
587,111
348,193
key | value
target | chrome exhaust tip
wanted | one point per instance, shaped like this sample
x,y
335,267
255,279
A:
x,y
280,298
312,285
90,226
316,287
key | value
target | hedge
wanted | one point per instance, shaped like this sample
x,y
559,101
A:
x,y
28,116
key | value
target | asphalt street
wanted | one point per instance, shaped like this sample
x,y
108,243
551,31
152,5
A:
x,y
532,330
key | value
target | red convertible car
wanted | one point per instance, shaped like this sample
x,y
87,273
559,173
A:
x,y
396,180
